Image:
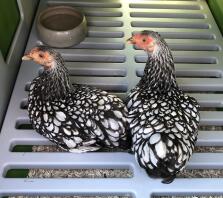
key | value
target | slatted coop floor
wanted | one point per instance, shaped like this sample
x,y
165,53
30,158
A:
x,y
104,60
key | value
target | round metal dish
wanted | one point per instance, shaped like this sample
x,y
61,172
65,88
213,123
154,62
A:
x,y
61,26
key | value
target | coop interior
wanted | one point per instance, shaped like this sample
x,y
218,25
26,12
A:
x,y
31,166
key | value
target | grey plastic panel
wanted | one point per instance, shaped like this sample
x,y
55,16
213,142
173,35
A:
x,y
104,60
10,67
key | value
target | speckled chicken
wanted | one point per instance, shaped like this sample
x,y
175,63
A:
x,y
78,118
163,120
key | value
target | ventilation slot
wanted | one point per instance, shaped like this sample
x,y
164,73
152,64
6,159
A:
x,y
69,173
167,15
24,104
87,4
22,148
164,6
110,84
23,124
27,86
191,47
208,149
151,24
178,59
201,173
185,35
47,147
192,74
211,128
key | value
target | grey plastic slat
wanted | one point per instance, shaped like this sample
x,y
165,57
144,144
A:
x,y
189,57
207,117
210,138
120,187
30,137
202,84
93,3
102,12
209,99
104,60
106,32
104,160
84,69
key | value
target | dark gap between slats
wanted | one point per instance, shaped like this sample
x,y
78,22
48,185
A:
x,y
24,104
164,6
185,35
189,74
97,59
36,148
182,47
208,149
178,59
211,109
204,92
56,149
167,15
122,95
94,72
115,88
100,46
27,86
208,75
201,173
154,24
52,148
26,125
210,128
69,173
23,126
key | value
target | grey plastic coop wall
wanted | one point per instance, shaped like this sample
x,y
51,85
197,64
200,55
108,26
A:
x,y
104,60
10,66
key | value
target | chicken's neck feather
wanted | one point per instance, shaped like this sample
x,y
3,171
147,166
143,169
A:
x,y
159,72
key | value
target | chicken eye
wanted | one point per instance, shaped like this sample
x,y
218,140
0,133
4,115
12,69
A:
x,y
41,56
144,40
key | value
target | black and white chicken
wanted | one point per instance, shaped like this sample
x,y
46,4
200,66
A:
x,y
163,120
78,118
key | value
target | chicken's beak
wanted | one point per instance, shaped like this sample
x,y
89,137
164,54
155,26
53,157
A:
x,y
26,57
130,41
